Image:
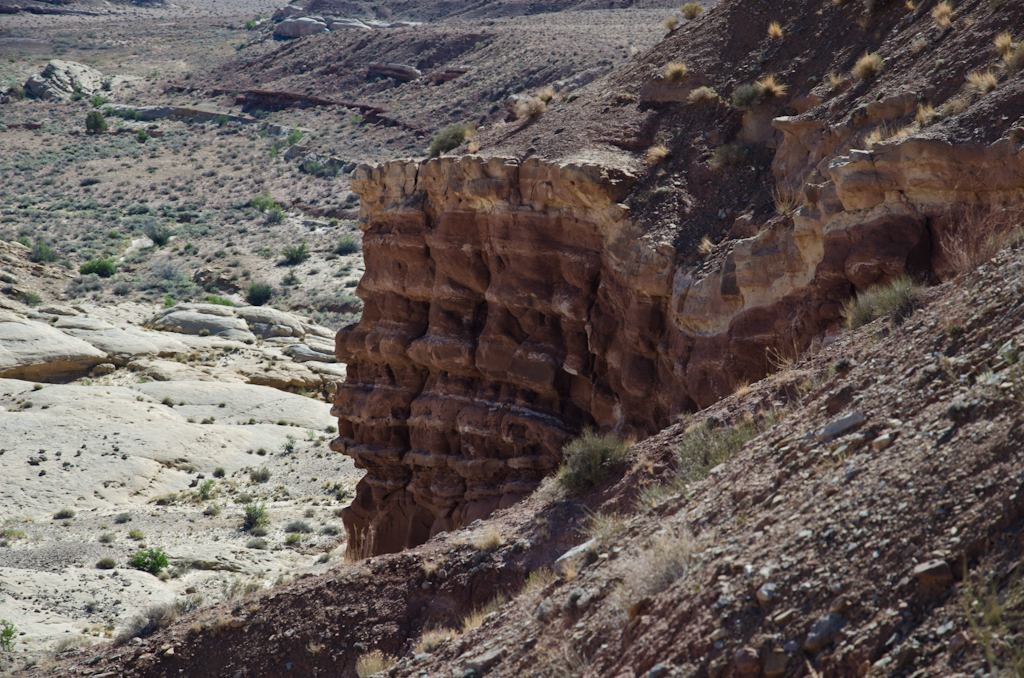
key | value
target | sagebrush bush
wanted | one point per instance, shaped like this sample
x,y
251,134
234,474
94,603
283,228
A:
x,y
275,215
64,514
703,448
690,10
447,139
149,560
298,526
589,459
157,232
104,268
260,475
42,253
263,202
347,244
106,564
255,516
149,622
746,95
259,294
897,299
529,108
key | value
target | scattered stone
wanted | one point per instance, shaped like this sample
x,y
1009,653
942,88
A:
x,y
748,662
822,631
934,573
767,593
581,553
102,369
883,441
776,663
658,671
483,663
841,425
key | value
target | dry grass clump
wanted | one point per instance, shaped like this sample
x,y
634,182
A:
x,y
775,30
703,95
982,82
897,299
926,115
771,88
977,234
669,559
953,107
538,579
529,108
476,618
603,526
657,153
674,71
705,246
374,662
703,448
942,14
919,45
785,203
671,24
868,66
1004,44
490,540
835,80
434,638
1015,62
690,10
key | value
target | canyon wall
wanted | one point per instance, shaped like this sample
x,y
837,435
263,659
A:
x,y
510,304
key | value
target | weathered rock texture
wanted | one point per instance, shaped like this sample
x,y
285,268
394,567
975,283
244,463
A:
x,y
61,79
509,305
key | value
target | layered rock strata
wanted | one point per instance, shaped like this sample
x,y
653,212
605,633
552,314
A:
x,y
510,304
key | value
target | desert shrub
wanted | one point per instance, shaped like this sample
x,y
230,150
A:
x,y
7,634
490,540
374,662
667,560
529,108
95,122
319,169
122,518
728,155
702,95
775,30
98,101
942,14
260,531
868,66
221,120
106,564
147,623
258,544
149,560
104,268
259,294
589,459
41,252
135,534
433,638
157,232
295,254
746,95
298,526
255,516
219,472
263,202
674,71
670,23
1015,61
293,538
331,530
275,215
1004,44
142,136
294,137
704,447
206,489
219,301
347,244
64,514
897,299
448,139
690,10
260,476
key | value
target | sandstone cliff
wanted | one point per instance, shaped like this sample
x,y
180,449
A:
x,y
510,304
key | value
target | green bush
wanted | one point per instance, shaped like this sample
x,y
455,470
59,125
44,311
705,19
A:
x,y
293,539
7,635
255,516
107,563
449,138
149,560
263,202
348,244
746,95
295,254
41,252
218,472
220,301
897,299
704,448
222,120
260,476
64,514
294,137
122,518
157,232
588,460
98,101
259,294
299,526
142,135
728,155
275,215
206,489
95,122
104,268
135,534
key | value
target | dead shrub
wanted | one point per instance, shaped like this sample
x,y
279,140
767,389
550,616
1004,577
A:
x,y
674,71
669,559
702,95
982,82
657,153
977,234
868,66
374,662
434,638
530,108
771,88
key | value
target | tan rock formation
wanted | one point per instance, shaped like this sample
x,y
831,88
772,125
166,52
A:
x,y
509,305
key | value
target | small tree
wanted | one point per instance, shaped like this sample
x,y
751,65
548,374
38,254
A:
x,y
95,122
7,634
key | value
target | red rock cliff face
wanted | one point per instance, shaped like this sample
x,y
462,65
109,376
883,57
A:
x,y
509,305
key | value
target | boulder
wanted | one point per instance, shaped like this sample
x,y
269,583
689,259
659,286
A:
x,y
61,79
287,12
302,353
204,320
297,28
36,351
269,322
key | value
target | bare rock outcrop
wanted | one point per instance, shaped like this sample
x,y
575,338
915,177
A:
x,y
297,28
60,80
